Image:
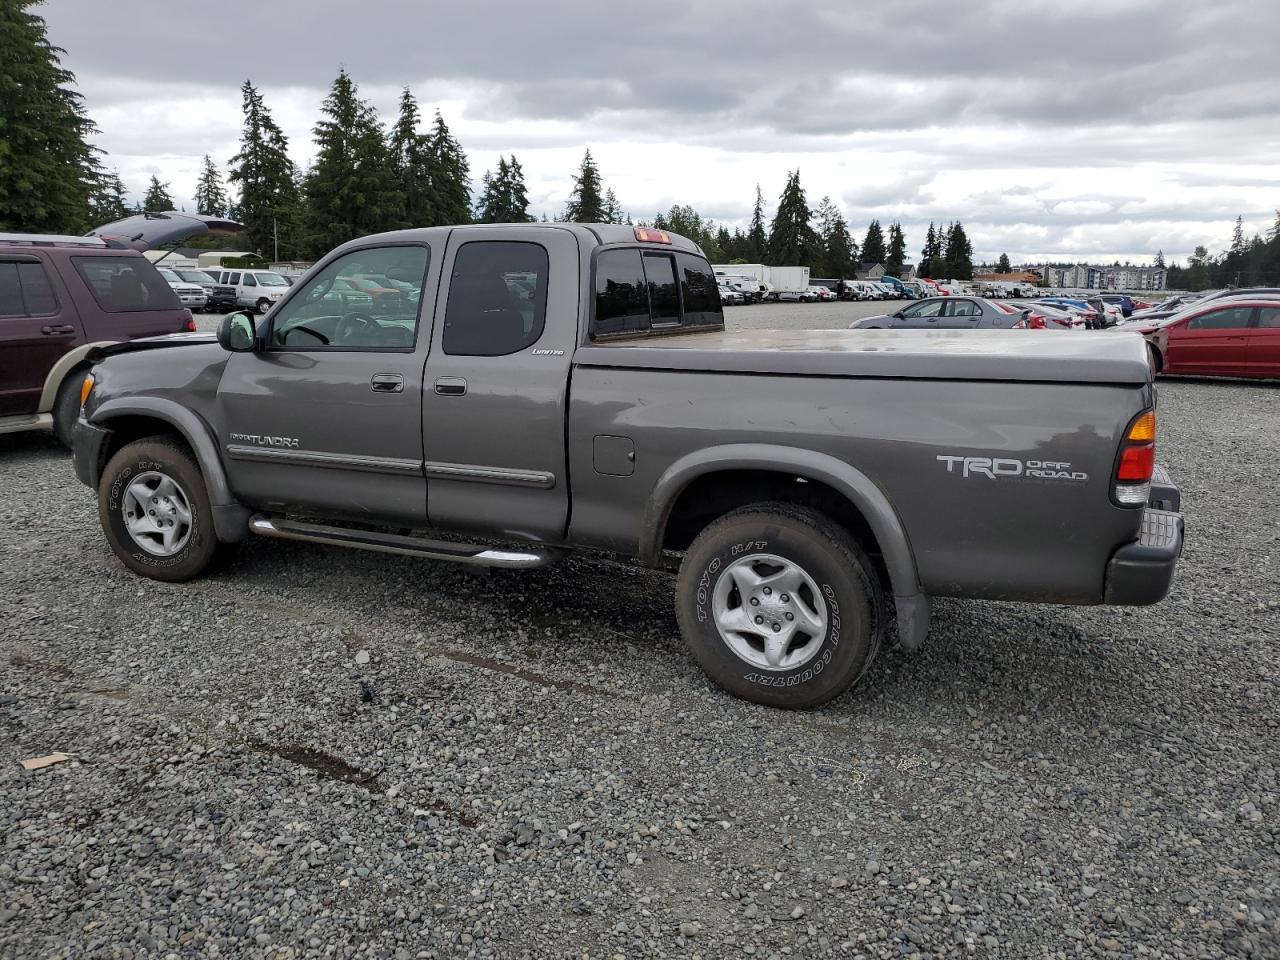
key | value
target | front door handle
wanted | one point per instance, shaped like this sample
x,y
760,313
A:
x,y
387,383
57,328
451,386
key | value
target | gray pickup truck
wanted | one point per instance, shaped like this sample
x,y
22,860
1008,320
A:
x,y
499,395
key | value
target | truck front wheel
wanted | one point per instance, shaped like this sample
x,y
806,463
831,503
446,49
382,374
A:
x,y
155,511
779,605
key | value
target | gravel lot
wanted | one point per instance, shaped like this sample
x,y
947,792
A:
x,y
345,754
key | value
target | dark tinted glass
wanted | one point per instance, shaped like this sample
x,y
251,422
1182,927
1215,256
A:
x,y
497,298
11,304
664,300
36,290
701,294
1269,317
1222,319
622,300
126,284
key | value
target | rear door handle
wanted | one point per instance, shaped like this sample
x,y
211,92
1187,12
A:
x,y
55,329
451,386
387,383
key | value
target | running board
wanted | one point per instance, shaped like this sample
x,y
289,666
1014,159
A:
x,y
27,421
520,559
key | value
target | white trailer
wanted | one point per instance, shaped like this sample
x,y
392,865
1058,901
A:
x,y
775,283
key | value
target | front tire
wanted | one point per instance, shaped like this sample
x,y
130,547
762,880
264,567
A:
x,y
66,407
155,511
780,606
262,306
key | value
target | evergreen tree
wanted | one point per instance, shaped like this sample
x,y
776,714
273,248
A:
x,y
1159,261
450,177
928,252
873,245
837,249
352,190
792,240
586,202
612,209
687,222
517,193
503,196
267,180
1003,265
957,254
48,171
897,256
410,162
157,198
1197,274
211,198
107,203
757,239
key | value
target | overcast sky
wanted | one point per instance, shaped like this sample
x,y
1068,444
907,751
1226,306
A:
x,y
1089,129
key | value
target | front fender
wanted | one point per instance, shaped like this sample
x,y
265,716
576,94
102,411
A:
x,y
909,600
230,518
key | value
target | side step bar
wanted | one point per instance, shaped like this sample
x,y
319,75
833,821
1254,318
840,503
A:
x,y
521,559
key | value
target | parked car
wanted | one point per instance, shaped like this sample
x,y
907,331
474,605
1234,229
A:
x,y
1124,303
953,313
1224,337
777,464
198,277
254,289
1068,318
190,295
730,297
820,293
60,296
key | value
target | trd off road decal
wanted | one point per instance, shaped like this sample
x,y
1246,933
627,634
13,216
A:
x,y
995,467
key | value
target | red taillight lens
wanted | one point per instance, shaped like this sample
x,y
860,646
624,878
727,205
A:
x,y
645,235
1137,463
191,325
1036,322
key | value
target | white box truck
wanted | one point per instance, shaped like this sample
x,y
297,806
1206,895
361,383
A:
x,y
775,283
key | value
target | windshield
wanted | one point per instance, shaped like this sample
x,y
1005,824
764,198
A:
x,y
195,276
169,275
271,280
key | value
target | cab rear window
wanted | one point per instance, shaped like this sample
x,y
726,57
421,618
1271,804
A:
x,y
640,292
126,284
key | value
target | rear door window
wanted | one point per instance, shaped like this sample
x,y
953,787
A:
x,y
640,290
37,293
11,304
126,284
1229,319
497,298
1269,318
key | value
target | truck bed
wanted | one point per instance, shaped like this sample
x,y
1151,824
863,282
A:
x,y
998,355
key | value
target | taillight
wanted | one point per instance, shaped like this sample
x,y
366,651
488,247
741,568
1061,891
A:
x,y
1137,461
648,235
190,325
1035,322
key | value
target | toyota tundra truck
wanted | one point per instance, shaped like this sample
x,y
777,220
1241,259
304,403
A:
x,y
543,388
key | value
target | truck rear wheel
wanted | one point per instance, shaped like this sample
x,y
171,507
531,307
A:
x,y
779,605
155,511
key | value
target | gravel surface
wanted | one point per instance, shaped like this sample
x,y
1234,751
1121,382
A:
x,y
349,754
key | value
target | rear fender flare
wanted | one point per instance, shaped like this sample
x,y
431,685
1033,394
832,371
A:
x,y
66,363
910,601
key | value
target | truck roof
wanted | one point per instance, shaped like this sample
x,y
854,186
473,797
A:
x,y
591,234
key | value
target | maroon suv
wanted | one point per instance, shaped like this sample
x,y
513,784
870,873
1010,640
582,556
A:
x,y
60,296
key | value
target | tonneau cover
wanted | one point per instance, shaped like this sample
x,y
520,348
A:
x,y
1030,355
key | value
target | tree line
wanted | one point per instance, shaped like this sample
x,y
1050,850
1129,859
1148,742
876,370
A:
x,y
1245,263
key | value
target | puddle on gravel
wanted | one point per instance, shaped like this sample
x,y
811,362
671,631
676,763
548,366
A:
x,y
324,764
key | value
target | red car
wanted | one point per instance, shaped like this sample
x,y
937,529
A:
x,y
1221,338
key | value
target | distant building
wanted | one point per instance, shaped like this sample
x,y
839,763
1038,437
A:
x,y
1086,276
870,271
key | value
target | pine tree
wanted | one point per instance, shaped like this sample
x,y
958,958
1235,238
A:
x,y
267,180
410,161
792,240
489,207
211,198
757,239
352,190
450,177
612,209
517,193
836,259
1159,261
1003,265
157,198
586,202
957,254
48,171
897,256
106,203
504,197
873,245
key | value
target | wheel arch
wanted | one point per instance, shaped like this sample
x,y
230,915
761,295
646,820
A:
x,y
67,363
776,463
130,418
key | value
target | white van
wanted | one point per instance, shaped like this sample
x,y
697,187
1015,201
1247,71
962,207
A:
x,y
256,290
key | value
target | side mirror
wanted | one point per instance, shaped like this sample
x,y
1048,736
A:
x,y
236,332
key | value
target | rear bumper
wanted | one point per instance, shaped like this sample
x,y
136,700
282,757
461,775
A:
x,y
1141,572
87,441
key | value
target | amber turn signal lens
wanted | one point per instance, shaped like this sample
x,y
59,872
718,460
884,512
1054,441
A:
x,y
86,388
1144,428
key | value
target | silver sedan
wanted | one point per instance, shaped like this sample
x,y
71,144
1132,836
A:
x,y
948,313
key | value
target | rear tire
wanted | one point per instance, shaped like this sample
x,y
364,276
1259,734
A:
x,y
262,306
66,408
159,483
780,606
